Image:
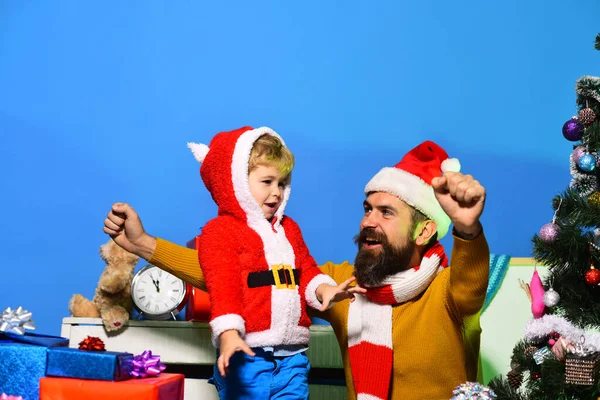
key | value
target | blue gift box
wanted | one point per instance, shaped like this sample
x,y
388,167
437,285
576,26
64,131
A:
x,y
84,364
23,362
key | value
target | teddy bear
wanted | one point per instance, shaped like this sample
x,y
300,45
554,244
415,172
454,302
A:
x,y
112,299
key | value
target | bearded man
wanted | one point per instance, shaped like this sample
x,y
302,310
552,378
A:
x,y
407,337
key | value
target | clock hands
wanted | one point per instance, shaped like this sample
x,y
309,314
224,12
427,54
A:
x,y
159,304
156,283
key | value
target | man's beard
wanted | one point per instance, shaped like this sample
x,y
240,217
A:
x,y
372,267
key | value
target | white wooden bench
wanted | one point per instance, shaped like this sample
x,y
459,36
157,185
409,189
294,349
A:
x,y
185,347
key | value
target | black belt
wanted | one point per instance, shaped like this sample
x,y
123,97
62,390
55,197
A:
x,y
268,278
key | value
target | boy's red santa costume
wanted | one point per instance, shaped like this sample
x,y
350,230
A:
x,y
259,273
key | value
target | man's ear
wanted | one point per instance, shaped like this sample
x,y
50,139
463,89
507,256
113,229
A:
x,y
424,232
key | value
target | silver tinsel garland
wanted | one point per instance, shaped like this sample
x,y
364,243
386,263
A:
x,y
588,86
540,328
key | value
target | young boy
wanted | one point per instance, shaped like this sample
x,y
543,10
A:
x,y
258,270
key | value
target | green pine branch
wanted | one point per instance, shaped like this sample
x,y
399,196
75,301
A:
x,y
541,382
588,92
504,391
519,357
569,257
597,45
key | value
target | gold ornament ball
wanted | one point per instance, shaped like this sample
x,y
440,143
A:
x,y
594,199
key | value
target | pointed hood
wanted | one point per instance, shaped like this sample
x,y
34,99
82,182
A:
x,y
224,171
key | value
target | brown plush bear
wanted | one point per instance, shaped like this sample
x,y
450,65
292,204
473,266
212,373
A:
x,y
112,300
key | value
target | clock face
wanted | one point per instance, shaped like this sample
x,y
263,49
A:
x,y
156,292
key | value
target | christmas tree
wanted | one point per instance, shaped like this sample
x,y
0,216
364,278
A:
x,y
559,357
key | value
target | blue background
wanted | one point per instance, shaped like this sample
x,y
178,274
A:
x,y
98,99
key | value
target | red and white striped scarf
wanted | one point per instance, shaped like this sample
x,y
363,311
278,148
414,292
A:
x,y
370,324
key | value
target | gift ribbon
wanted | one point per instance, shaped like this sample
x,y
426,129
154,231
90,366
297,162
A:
x,y
92,343
4,396
16,321
146,364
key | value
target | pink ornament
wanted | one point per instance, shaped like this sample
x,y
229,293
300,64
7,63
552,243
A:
x,y
551,342
578,152
537,295
549,232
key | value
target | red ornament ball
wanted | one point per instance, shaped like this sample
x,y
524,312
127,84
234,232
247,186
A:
x,y
592,277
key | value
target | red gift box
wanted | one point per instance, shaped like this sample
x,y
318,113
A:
x,y
162,387
198,305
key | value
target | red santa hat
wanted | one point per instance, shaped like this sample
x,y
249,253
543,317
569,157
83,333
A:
x,y
410,180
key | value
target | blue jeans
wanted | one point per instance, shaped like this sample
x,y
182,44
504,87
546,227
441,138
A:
x,y
263,377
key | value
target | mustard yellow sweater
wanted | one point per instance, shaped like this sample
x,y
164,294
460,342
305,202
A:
x,y
435,336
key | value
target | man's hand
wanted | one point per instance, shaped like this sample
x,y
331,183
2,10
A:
x,y
462,198
230,343
327,293
125,227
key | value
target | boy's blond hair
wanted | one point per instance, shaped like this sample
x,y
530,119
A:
x,y
269,151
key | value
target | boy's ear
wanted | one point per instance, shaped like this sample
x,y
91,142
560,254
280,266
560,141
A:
x,y
424,232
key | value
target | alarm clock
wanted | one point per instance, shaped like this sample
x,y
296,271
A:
x,y
158,295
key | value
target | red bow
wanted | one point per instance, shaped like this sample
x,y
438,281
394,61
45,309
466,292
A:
x,y
92,343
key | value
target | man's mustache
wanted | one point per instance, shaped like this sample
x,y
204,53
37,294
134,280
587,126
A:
x,y
371,235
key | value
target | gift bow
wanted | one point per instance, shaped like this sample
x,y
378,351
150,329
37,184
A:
x,y
473,390
581,350
4,396
16,321
146,364
92,343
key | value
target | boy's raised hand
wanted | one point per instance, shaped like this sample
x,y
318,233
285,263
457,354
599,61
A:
x,y
328,294
230,343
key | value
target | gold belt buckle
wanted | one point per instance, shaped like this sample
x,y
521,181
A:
x,y
283,285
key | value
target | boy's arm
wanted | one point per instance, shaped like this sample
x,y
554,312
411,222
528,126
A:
x,y
339,273
469,273
218,253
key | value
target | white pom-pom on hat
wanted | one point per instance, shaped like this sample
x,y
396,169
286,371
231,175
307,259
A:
x,y
450,165
410,180
199,150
